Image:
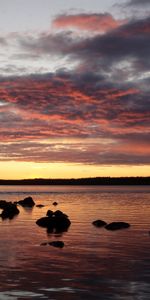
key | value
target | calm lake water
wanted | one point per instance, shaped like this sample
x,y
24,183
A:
x,y
94,263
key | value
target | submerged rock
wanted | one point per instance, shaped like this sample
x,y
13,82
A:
x,y
54,221
40,205
27,202
9,211
99,223
117,225
58,244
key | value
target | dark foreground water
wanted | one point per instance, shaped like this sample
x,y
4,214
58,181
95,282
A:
x,y
94,263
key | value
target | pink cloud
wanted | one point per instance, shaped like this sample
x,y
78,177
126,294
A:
x,y
89,22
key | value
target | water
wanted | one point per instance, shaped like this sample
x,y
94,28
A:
x,y
94,263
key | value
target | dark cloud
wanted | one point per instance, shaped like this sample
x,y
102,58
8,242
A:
x,y
138,2
99,53
73,106
84,152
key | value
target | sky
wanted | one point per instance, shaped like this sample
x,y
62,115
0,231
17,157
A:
x,y
74,88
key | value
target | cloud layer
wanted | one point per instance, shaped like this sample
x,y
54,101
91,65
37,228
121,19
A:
x,y
93,109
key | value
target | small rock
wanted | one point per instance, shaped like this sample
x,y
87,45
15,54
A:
x,y
49,213
59,213
117,225
58,244
55,203
40,205
27,202
99,223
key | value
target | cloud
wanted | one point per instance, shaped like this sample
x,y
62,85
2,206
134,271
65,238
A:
x,y
40,109
98,102
3,41
128,43
90,22
138,2
87,151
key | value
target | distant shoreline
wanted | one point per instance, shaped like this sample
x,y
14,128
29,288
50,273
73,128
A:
x,y
80,181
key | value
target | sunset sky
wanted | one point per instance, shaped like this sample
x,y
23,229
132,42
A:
x,y
74,88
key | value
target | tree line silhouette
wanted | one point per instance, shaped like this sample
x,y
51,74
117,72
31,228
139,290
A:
x,y
80,181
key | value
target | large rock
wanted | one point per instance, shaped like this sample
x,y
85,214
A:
x,y
9,211
117,225
3,204
55,221
99,223
27,202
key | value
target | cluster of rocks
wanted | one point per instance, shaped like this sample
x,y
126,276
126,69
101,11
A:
x,y
9,209
54,221
112,225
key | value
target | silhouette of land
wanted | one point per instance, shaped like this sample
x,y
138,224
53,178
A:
x,y
80,181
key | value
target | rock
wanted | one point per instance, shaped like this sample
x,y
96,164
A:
x,y
45,222
40,205
49,213
117,225
99,223
54,221
55,203
59,213
27,202
9,211
3,204
58,244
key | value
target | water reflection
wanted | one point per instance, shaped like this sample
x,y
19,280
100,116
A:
x,y
94,263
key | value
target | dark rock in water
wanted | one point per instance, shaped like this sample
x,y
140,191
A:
x,y
99,223
58,244
55,203
45,222
3,204
9,211
117,225
27,202
59,213
40,205
49,213
54,222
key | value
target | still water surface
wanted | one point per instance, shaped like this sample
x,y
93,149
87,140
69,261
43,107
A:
x,y
94,263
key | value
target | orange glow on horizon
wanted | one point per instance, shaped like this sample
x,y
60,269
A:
x,y
27,170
